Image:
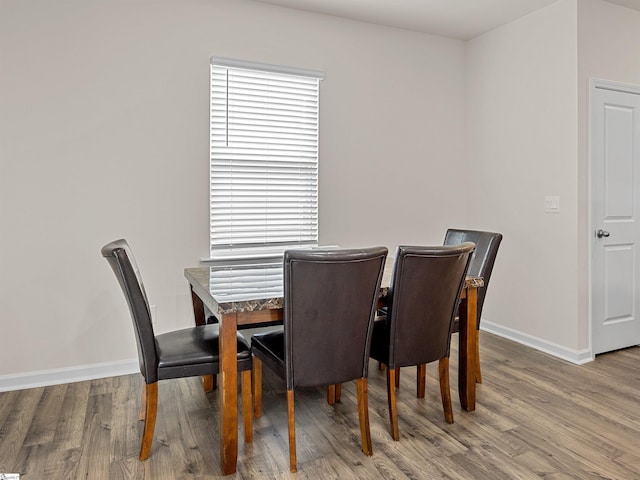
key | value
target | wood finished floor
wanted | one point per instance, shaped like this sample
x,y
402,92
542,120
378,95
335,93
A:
x,y
536,417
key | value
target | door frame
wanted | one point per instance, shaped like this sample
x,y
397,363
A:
x,y
597,83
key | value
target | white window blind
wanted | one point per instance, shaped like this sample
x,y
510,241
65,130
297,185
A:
x,y
264,158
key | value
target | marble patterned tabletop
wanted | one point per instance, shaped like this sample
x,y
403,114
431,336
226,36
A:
x,y
247,288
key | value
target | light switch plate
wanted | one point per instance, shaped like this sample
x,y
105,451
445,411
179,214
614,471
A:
x,y
552,204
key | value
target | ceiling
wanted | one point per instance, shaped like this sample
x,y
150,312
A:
x,y
462,19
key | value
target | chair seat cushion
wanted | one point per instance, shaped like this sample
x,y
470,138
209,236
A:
x,y
269,347
193,350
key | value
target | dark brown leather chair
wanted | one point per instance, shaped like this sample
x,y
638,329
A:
x,y
319,345
422,302
188,352
482,261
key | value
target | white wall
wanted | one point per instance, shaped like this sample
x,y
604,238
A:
x,y
104,134
522,146
609,49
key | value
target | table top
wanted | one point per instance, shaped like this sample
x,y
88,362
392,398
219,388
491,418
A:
x,y
247,288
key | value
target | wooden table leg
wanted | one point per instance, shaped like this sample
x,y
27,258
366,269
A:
x,y
208,381
466,351
198,308
228,388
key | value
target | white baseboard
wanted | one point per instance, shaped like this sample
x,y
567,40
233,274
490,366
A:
x,y
56,376
578,357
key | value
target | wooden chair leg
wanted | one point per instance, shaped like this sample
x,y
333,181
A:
x,y
247,407
292,432
391,399
363,413
151,409
257,387
398,377
331,394
445,388
209,383
478,372
334,393
421,380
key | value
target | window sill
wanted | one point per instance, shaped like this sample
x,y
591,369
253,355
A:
x,y
257,256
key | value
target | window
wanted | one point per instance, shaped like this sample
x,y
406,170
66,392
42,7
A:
x,y
264,158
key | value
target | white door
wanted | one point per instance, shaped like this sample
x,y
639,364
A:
x,y
615,216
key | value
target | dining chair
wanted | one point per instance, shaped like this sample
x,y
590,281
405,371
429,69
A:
x,y
482,261
330,298
188,352
423,298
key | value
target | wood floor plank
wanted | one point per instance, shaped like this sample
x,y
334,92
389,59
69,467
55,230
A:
x,y
179,438
68,434
125,427
536,417
7,400
544,466
562,422
31,460
59,463
94,461
127,469
15,426
45,420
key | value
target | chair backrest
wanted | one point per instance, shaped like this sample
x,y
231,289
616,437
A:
x,y
330,302
123,264
425,291
483,258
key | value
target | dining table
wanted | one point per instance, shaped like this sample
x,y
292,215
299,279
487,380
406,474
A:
x,y
244,294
